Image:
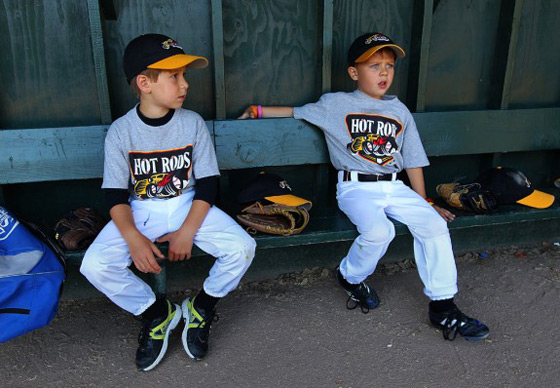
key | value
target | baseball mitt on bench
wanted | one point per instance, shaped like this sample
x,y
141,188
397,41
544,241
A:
x,y
77,229
470,197
274,218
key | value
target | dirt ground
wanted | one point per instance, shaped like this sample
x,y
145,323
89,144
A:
x,y
295,331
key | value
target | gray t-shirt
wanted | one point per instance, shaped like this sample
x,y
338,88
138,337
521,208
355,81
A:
x,y
158,162
365,134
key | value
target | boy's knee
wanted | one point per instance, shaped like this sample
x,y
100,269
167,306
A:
x,y
381,234
247,248
91,266
437,226
88,267
243,250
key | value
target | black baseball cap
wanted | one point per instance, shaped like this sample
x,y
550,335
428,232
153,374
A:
x,y
512,186
273,188
366,45
157,51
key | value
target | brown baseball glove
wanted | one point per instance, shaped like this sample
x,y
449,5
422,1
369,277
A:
x,y
275,218
470,197
77,229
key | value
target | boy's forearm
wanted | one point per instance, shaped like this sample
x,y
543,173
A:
x,y
122,217
196,215
277,111
416,177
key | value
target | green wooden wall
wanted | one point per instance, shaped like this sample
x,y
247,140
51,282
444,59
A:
x,y
60,65
61,59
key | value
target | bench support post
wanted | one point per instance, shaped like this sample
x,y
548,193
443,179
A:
x,y
160,281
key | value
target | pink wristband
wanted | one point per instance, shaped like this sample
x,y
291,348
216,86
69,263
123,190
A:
x,y
259,111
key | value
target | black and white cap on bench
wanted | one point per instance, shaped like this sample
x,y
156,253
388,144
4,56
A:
x,y
273,188
512,186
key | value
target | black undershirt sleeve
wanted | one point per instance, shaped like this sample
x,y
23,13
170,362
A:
x,y
115,197
206,189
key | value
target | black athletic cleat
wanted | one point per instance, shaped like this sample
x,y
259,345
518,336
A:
x,y
453,322
362,295
154,336
197,329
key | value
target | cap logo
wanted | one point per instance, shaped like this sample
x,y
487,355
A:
x,y
377,38
170,43
284,185
520,178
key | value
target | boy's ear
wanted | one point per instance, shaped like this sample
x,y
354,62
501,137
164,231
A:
x,y
353,73
143,83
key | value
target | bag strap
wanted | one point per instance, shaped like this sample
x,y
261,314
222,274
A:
x,y
40,235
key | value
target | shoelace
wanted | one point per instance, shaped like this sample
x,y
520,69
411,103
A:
x,y
364,291
452,323
208,321
144,333
206,324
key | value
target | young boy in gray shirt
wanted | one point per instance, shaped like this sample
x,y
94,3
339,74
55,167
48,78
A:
x,y
371,137
161,179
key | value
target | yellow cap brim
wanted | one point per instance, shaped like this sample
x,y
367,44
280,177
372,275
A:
x,y
288,200
365,56
538,200
180,60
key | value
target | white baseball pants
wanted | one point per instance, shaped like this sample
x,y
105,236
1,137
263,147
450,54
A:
x,y
106,262
367,205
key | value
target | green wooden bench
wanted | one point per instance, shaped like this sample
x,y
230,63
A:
x,y
56,154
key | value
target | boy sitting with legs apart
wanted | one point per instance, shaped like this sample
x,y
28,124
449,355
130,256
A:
x,y
371,137
161,179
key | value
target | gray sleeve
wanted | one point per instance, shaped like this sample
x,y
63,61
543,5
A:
x,y
116,173
314,113
204,157
413,152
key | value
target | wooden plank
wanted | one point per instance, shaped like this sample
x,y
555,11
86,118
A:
x,y
321,172
52,154
329,225
34,155
271,53
256,143
98,49
424,54
508,77
536,83
47,154
268,142
327,45
47,68
479,132
219,72
462,47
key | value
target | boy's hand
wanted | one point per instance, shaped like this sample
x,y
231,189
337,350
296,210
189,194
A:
x,y
180,244
446,214
143,253
248,114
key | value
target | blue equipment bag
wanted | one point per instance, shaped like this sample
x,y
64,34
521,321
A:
x,y
32,270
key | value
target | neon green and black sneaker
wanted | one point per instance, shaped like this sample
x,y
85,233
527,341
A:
x,y
197,328
154,336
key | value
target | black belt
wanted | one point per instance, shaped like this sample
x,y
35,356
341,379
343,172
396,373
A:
x,y
348,176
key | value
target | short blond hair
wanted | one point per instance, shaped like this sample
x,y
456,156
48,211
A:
x,y
152,74
386,50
